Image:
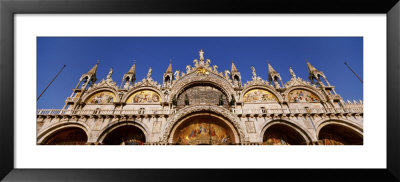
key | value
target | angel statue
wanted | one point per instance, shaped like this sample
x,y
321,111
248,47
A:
x,y
149,73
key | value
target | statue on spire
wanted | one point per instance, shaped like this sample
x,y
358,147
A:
x,y
201,54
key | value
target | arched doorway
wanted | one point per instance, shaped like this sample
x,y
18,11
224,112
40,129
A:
x,y
281,134
125,135
335,134
204,129
68,136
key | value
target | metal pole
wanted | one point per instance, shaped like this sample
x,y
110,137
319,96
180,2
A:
x,y
50,82
353,72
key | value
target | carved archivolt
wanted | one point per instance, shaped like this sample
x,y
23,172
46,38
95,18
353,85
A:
x,y
308,137
213,109
116,124
193,78
43,135
342,122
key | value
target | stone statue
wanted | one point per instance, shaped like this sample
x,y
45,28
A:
x,y
215,67
254,72
149,73
291,72
188,68
208,61
176,74
201,54
196,63
226,74
109,74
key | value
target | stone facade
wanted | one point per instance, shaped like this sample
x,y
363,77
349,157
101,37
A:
x,y
212,107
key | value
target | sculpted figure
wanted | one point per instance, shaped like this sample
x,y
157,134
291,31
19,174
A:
x,y
196,63
226,74
215,67
188,68
208,61
176,74
109,74
201,54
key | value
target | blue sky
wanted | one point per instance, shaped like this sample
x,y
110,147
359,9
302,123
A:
x,y
327,54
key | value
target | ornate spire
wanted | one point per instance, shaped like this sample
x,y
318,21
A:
x,y
169,69
233,68
93,70
292,72
133,68
311,68
274,76
271,70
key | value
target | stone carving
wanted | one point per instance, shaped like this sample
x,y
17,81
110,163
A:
x,y
149,73
196,63
208,61
253,71
176,74
188,68
215,68
292,73
109,75
201,54
227,74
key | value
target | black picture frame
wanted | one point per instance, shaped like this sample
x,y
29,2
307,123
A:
x,y
9,8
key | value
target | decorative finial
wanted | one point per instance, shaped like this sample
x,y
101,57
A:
x,y
134,61
170,61
292,72
149,73
98,61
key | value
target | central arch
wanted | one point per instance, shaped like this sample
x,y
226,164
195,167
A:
x,y
204,129
220,114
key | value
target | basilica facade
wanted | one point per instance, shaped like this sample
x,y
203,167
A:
x,y
203,106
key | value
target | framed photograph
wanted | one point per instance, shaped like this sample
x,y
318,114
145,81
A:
x,y
248,90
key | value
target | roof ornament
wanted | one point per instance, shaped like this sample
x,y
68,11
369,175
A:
x,y
254,73
292,72
149,73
